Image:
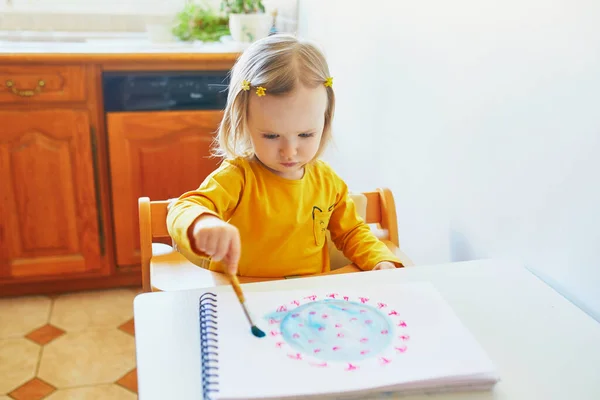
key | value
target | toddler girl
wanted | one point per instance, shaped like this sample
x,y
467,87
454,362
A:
x,y
265,211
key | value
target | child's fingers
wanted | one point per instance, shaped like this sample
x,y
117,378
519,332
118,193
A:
x,y
200,242
233,255
211,243
222,247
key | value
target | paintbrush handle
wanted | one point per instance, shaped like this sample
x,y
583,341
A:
x,y
237,288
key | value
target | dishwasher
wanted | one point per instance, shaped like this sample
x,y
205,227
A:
x,y
160,128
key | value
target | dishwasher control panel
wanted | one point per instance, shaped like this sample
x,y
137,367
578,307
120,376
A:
x,y
164,90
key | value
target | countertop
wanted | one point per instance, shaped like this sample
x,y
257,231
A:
x,y
20,46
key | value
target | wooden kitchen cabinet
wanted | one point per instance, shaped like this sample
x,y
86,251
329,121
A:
x,y
48,200
27,84
71,172
156,154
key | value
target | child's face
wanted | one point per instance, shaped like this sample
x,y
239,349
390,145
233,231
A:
x,y
286,130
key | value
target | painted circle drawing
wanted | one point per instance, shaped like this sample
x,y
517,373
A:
x,y
338,330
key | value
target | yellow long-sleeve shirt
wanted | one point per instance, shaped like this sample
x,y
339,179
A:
x,y
282,222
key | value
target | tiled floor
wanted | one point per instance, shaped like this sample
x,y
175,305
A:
x,y
70,346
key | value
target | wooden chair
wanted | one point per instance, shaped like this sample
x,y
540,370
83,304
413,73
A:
x,y
165,269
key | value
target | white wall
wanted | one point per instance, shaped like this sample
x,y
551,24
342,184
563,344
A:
x,y
485,122
113,15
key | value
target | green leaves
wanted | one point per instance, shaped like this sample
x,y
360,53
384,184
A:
x,y
200,22
242,6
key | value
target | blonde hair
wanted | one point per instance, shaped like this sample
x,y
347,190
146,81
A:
x,y
278,63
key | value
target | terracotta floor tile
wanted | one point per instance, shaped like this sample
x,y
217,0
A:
x,y
99,392
128,327
20,315
92,310
34,389
45,334
87,358
18,361
129,381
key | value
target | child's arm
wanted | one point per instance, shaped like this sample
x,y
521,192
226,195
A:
x,y
216,197
354,237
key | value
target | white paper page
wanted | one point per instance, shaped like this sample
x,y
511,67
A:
x,y
343,340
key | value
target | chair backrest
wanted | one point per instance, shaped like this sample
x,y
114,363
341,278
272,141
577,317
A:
x,y
380,210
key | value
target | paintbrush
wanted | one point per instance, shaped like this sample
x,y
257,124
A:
x,y
237,288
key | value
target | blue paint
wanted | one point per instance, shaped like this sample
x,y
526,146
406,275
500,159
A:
x,y
336,330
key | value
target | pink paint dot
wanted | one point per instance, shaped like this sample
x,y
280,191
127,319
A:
x,y
384,332
311,340
364,340
338,325
279,344
312,312
295,336
368,322
324,316
353,319
351,367
319,365
300,325
321,328
404,337
295,315
363,311
401,349
335,348
402,324
340,335
364,352
317,350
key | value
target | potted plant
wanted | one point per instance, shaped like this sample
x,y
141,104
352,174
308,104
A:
x,y
200,22
247,19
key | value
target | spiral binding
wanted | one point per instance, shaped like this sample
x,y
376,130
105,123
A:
x,y
209,345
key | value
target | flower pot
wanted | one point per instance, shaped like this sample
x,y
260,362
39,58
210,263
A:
x,y
249,27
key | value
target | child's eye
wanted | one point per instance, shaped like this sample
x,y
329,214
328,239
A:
x,y
270,136
305,135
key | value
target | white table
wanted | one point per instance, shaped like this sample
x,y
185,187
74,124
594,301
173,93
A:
x,y
543,346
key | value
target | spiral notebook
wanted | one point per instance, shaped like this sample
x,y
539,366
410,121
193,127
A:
x,y
343,342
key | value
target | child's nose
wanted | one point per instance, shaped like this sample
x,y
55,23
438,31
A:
x,y
288,149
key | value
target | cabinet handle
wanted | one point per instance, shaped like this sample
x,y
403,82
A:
x,y
94,145
27,92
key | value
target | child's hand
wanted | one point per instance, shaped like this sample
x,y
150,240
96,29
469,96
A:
x,y
384,265
217,239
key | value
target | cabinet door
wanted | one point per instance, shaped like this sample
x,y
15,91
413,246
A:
x,y
48,208
160,155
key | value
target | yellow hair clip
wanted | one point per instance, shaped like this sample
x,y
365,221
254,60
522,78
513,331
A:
x,y
328,82
260,91
245,85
